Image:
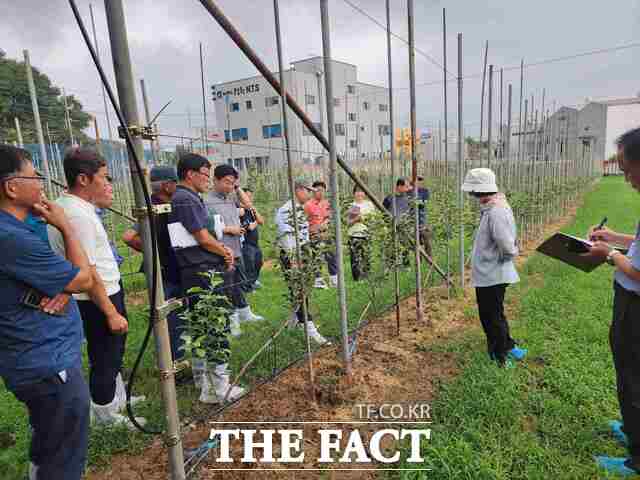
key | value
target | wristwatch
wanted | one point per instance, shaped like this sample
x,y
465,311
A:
x,y
612,254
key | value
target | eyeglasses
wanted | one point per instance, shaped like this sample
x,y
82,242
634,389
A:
x,y
12,177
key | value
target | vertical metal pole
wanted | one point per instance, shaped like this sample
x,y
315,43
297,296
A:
x,y
501,124
68,117
126,92
36,117
414,159
490,117
104,95
508,142
18,132
95,126
205,132
285,125
320,105
446,130
333,181
520,114
147,116
460,162
484,75
392,153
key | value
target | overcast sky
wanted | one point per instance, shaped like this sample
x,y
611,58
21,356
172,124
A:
x,y
164,37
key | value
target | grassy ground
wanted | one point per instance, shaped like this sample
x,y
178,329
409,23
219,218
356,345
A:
x,y
547,418
268,301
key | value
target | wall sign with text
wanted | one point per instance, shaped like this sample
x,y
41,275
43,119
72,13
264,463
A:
x,y
235,91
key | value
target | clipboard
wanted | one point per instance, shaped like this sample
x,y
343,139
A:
x,y
569,249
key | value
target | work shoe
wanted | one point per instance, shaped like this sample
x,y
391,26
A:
x,y
617,466
333,280
293,320
257,284
215,384
108,415
320,283
314,334
618,433
517,353
246,315
121,394
234,324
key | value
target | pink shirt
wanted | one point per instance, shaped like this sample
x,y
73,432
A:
x,y
317,212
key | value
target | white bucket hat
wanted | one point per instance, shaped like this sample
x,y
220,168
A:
x,y
480,180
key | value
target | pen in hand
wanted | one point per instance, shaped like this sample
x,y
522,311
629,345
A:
x,y
599,227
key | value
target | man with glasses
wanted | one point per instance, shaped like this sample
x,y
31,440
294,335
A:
x,y
102,308
222,207
40,340
198,252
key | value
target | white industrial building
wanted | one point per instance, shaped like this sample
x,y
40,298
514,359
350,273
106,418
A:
x,y
248,111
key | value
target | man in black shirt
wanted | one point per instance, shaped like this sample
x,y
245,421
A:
x,y
251,252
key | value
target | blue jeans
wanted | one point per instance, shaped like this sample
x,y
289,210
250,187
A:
x,y
59,418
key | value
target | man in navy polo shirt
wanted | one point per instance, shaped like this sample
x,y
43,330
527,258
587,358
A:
x,y
40,356
198,252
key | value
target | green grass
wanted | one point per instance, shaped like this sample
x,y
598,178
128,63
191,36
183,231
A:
x,y
546,418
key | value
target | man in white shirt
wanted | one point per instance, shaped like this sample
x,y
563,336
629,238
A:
x,y
287,244
103,307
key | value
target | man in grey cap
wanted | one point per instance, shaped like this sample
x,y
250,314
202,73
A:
x,y
163,185
287,243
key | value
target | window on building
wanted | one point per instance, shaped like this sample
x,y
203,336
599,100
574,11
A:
x,y
237,163
353,144
249,105
272,131
271,101
310,99
366,105
306,132
352,117
340,129
336,102
239,134
351,89
362,129
383,107
226,136
235,107
230,161
384,130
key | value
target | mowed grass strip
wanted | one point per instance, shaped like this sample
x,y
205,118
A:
x,y
546,418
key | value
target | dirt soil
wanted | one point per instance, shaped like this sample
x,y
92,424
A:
x,y
386,368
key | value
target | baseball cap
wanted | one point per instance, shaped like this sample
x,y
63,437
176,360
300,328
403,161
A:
x,y
480,180
298,184
163,173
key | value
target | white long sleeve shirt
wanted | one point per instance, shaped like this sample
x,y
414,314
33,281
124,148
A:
x,y
284,224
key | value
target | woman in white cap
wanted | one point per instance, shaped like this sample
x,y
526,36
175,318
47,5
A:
x,y
492,268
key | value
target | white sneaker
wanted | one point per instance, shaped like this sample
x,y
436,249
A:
x,y
108,415
121,394
320,283
215,385
234,322
246,315
333,280
314,334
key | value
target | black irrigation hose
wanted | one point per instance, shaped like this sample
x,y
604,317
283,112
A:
x,y
148,206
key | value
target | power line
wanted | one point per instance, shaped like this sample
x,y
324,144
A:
x,y
384,27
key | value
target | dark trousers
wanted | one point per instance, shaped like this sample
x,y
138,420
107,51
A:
x,y
191,277
494,323
105,349
59,419
253,261
174,322
285,262
425,239
624,337
234,281
360,255
329,255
